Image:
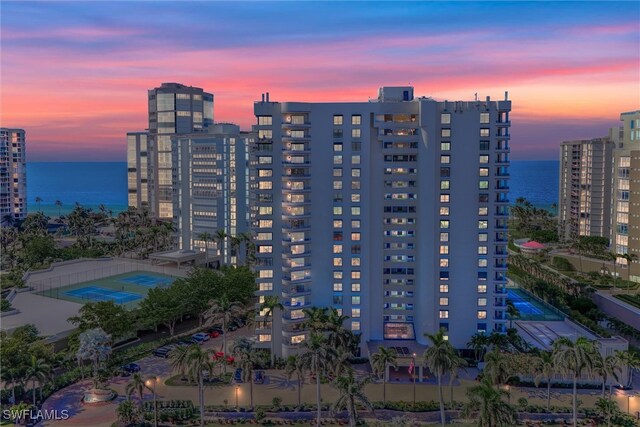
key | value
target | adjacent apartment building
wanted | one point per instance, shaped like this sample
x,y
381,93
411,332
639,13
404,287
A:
x,y
174,109
13,175
394,211
625,214
211,182
584,207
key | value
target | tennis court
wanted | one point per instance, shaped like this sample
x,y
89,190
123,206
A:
x,y
530,308
124,289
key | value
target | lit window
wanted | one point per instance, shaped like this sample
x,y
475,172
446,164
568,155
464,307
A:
x,y
484,132
356,119
337,147
337,210
484,171
483,185
482,314
444,185
484,159
484,118
482,302
444,223
355,236
355,325
483,224
355,313
355,262
337,287
355,287
445,133
355,133
444,289
337,120
445,158
482,250
355,160
337,249
483,237
444,314
482,289
355,223
337,160
355,300
444,262
355,275
445,118
337,171
337,185
444,198
482,262
483,211
444,210
337,262
355,210
444,301
444,237
444,249
355,172
445,146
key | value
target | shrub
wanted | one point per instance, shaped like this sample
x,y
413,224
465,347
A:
x,y
562,264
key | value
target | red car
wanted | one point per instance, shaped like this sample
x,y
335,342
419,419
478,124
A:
x,y
214,334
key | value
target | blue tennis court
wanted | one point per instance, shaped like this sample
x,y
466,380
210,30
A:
x,y
529,307
147,280
96,293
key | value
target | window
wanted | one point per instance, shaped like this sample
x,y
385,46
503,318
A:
x,y
444,314
445,146
482,250
482,289
355,160
484,171
337,172
444,185
483,185
337,160
444,301
355,313
482,262
355,210
482,237
337,146
337,185
265,120
444,249
484,118
355,133
445,133
337,120
444,262
445,159
444,237
483,224
355,173
355,326
264,160
445,118
355,236
482,314
444,211
444,198
483,211
482,302
355,300
265,185
355,223
337,223
337,287
265,134
337,249
484,132
355,287
484,159
337,262
444,223
265,173
337,210
356,119
444,289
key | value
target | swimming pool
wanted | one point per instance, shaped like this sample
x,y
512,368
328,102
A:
x,y
531,308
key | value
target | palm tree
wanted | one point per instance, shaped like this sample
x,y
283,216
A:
x,y
381,361
606,367
267,308
220,237
316,318
340,337
295,365
38,370
247,357
199,361
478,344
607,408
497,367
178,358
136,385
613,257
317,358
38,201
351,392
8,219
631,360
574,358
630,258
457,363
438,358
223,310
58,203
485,403
545,369
512,312
206,238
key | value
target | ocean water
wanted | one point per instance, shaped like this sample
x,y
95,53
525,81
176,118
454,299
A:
x,y
95,183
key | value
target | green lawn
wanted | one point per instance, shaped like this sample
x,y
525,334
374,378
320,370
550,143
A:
x,y
634,300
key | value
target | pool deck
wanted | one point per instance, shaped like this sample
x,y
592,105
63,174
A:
x,y
47,314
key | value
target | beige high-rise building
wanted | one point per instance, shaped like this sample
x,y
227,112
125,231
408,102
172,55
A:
x,y
13,175
584,205
625,224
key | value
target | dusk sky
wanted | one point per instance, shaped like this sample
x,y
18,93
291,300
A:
x,y
75,75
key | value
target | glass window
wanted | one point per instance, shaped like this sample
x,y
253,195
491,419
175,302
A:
x,y
355,133
445,133
337,119
356,119
445,158
484,132
445,118
445,146
484,118
337,146
265,120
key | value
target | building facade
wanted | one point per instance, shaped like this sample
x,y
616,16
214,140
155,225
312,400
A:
x,y
138,169
211,184
174,109
584,205
392,211
13,175
625,215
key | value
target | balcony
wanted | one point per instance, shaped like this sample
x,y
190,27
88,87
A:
x,y
295,290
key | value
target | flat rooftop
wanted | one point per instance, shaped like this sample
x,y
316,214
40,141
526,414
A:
x,y
541,334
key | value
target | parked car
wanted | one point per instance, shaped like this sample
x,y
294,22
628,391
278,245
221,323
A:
x,y
131,368
161,352
217,329
232,326
259,377
200,337
214,334
237,375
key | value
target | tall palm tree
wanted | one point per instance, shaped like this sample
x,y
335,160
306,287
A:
x,y
478,344
199,361
58,203
457,364
247,358
497,367
351,392
8,219
606,367
381,361
206,238
136,385
630,258
317,357
224,311
178,358
220,238
512,312
574,358
267,309
631,360
485,403
38,201
316,318
38,371
339,336
545,369
438,358
295,365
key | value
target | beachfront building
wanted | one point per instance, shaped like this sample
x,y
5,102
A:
x,y
211,192
174,109
394,211
584,205
625,225
137,169
13,175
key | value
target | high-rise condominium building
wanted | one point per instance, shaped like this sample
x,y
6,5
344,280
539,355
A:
x,y
392,211
625,227
13,175
174,109
212,186
584,206
138,169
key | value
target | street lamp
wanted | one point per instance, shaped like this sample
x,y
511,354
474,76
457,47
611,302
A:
x,y
507,388
629,396
413,376
151,383
237,391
